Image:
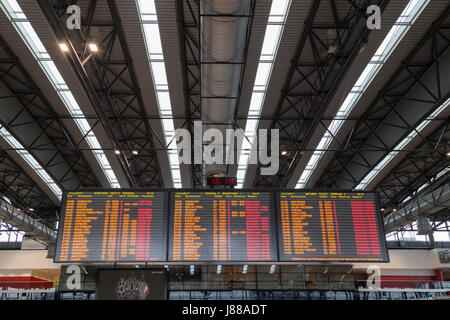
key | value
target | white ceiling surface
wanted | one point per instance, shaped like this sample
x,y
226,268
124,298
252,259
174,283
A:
x,y
293,28
390,15
167,20
259,24
39,22
168,28
166,11
32,67
136,44
29,171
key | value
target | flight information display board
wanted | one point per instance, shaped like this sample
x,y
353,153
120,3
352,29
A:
x,y
103,226
221,226
330,226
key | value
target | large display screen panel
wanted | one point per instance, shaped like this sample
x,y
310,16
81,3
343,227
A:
x,y
221,226
330,226
105,226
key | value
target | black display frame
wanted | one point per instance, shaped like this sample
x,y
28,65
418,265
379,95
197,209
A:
x,y
273,227
379,217
165,272
62,214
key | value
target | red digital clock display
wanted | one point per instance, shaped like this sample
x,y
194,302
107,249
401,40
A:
x,y
221,181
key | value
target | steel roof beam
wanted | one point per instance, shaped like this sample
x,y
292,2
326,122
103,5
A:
x,y
66,164
391,105
317,69
100,81
24,192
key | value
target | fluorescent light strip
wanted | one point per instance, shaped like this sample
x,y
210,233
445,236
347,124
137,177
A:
x,y
273,33
385,161
150,28
31,39
31,161
407,18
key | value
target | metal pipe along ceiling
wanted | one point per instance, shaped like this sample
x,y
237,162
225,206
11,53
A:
x,y
425,205
33,228
222,42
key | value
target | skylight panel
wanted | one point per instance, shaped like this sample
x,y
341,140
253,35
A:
x,y
272,36
412,10
31,39
150,28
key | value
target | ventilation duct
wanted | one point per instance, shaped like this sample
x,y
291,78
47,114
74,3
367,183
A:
x,y
223,36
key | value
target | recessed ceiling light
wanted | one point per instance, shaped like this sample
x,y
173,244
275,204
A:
x,y
117,152
64,47
135,152
93,47
31,209
283,153
448,154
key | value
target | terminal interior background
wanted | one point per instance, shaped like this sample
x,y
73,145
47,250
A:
x,y
357,109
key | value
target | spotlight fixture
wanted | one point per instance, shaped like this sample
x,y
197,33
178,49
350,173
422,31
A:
x,y
93,47
64,47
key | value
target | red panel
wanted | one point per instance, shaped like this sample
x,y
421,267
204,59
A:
x,y
365,227
25,283
406,281
143,230
257,241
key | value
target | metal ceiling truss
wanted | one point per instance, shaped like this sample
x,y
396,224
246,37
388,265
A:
x,y
109,80
424,161
34,123
439,222
431,202
189,32
420,166
333,35
189,29
23,192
